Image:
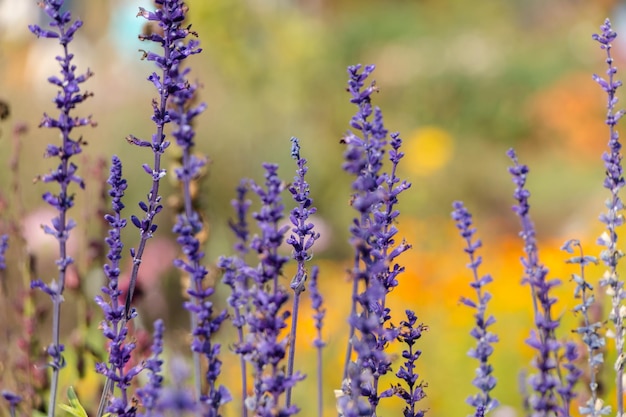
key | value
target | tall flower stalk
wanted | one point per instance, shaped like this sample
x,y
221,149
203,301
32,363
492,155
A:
x,y
613,218
484,381
302,239
170,35
68,97
114,324
189,223
265,348
317,302
589,332
235,278
375,271
552,391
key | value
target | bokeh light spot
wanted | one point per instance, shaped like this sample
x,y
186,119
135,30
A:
x,y
428,150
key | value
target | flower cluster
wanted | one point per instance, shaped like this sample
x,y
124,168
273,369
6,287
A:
x,y
546,382
613,218
114,325
68,97
484,381
375,270
258,304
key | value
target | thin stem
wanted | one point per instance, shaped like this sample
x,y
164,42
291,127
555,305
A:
x,y
320,396
355,292
292,342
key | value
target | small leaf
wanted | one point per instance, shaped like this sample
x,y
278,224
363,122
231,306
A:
x,y
74,408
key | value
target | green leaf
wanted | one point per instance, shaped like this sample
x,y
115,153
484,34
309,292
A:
x,y
74,408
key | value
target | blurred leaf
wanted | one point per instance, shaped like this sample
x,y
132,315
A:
x,y
75,408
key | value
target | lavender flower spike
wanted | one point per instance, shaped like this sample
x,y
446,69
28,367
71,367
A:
x,y
590,332
613,218
170,18
236,279
68,96
149,393
545,382
264,347
484,381
375,271
302,239
114,325
189,224
409,334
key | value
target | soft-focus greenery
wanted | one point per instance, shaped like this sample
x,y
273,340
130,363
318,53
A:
x,y
462,81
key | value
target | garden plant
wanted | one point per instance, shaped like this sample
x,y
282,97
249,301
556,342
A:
x,y
262,309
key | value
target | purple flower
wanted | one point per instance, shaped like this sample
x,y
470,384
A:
x,y
264,347
68,97
234,276
258,299
546,383
4,245
409,333
170,85
484,381
114,326
150,393
13,399
302,239
613,218
590,332
303,236
177,400
375,270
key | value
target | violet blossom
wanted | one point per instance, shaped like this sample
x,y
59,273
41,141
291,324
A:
x,y
114,326
409,333
613,218
234,277
375,270
69,95
589,332
264,348
13,399
484,381
302,239
149,394
546,383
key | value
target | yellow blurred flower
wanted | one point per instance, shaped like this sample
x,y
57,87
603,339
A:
x,y
427,150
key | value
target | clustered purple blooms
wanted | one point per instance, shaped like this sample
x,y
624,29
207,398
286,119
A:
x,y
170,35
114,325
149,394
409,333
234,276
590,332
258,299
302,239
4,246
264,348
614,182
375,197
13,399
67,98
484,381
547,383
189,224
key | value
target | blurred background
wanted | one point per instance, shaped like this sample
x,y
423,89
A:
x,y
462,81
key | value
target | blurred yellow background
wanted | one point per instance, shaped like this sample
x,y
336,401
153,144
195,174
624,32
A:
x,y
462,81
